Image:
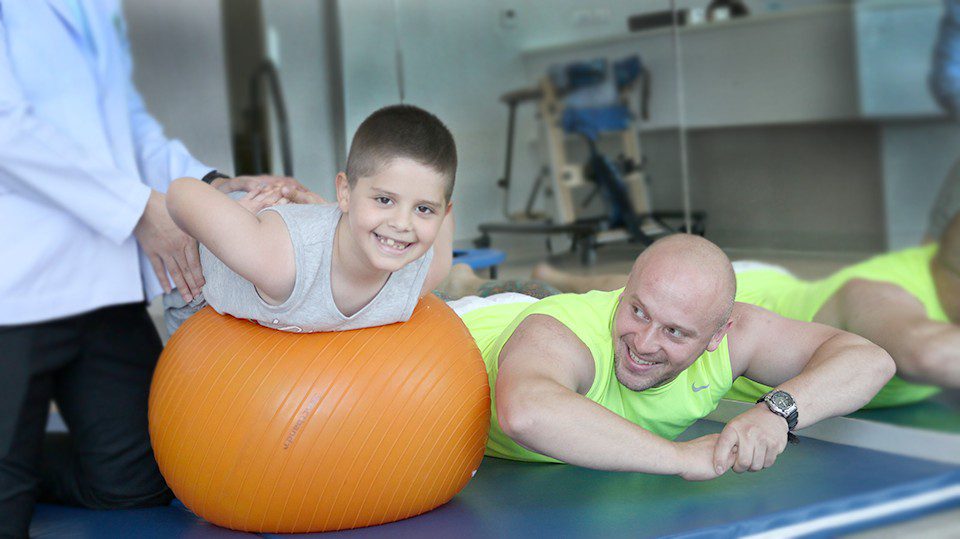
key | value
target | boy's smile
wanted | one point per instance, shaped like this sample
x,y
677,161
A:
x,y
391,246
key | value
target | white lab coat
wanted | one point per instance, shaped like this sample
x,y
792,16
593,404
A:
x,y
79,154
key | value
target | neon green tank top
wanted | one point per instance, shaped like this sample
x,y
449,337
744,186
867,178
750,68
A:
x,y
801,300
666,411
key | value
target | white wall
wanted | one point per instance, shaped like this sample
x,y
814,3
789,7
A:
x,y
180,71
457,60
295,38
916,159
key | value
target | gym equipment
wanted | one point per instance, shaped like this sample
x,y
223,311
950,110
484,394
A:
x,y
260,430
587,100
479,259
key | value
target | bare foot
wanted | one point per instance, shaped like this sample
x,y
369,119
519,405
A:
x,y
569,282
545,272
461,281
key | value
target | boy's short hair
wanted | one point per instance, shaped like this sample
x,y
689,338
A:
x,y
402,131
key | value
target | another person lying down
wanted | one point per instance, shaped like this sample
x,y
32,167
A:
x,y
908,302
364,261
607,379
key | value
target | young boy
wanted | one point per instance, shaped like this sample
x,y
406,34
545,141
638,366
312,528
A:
x,y
364,261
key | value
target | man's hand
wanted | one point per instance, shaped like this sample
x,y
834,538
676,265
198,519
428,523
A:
x,y
751,441
696,458
169,249
262,197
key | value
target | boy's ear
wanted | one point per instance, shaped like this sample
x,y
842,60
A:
x,y
343,192
449,207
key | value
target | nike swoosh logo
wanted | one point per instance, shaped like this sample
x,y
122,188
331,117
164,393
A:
x,y
700,388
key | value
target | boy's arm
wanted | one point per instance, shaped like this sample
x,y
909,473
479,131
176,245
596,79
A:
x,y
545,370
258,248
442,256
925,350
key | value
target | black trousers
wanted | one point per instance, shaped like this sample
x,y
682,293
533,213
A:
x,y
97,368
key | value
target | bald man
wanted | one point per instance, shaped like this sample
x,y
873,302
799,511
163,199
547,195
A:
x,y
607,379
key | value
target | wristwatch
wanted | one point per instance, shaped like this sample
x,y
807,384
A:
x,y
781,403
212,175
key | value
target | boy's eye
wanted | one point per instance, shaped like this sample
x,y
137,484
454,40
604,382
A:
x,y
424,209
383,200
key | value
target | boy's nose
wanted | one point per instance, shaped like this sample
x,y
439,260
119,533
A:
x,y
400,221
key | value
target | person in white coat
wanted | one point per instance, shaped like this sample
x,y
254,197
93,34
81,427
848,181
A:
x,y
85,239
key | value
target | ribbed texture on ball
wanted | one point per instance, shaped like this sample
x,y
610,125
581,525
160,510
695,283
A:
x,y
264,431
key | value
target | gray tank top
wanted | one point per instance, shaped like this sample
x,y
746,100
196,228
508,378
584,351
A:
x,y
310,306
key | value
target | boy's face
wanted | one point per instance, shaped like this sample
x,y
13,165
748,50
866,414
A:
x,y
395,214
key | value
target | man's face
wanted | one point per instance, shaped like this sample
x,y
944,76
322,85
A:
x,y
661,326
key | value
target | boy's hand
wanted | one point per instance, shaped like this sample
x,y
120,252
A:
x,y
262,197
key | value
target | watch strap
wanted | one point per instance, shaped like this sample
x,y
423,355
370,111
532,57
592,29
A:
x,y
792,419
212,175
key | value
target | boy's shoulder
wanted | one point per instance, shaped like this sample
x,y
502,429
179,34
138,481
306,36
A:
x,y
309,222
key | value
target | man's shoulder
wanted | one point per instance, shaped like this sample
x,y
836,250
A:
x,y
591,311
542,336
574,318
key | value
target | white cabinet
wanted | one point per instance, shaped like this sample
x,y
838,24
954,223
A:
x,y
894,50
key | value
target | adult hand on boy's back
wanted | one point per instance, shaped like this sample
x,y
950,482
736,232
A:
x,y
262,197
249,183
305,197
169,249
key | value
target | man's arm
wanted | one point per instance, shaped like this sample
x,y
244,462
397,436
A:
x,y
828,372
545,370
256,247
925,351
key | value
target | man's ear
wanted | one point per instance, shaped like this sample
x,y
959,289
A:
x,y
718,336
343,192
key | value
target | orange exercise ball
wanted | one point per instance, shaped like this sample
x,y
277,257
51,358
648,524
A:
x,y
264,431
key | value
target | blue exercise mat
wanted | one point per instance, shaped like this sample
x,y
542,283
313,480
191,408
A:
x,y
811,480
174,521
938,414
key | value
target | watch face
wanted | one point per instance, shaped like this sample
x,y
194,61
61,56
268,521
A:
x,y
781,400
